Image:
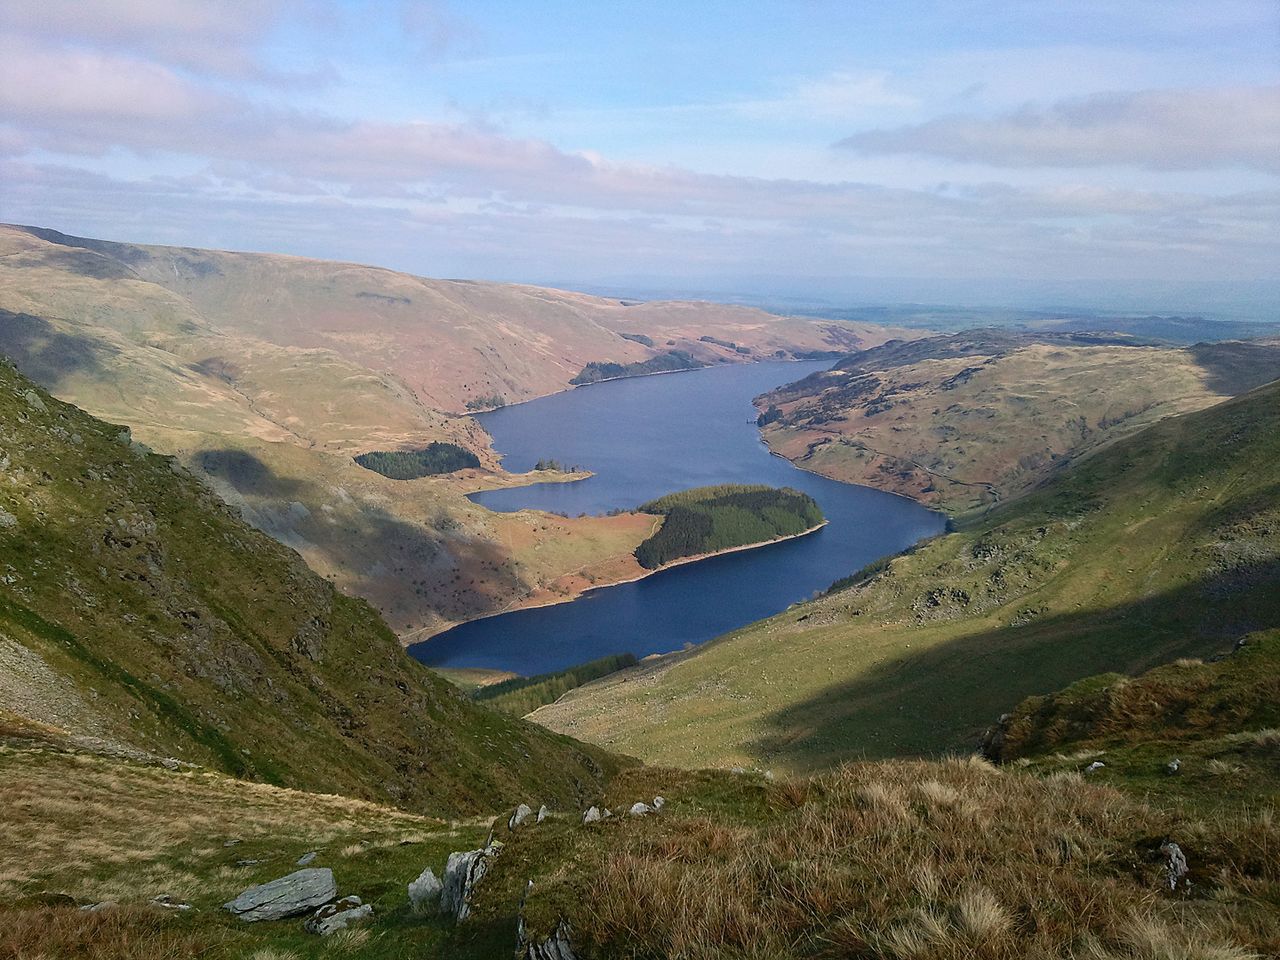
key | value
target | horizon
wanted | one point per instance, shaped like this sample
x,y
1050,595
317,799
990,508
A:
x,y
1123,156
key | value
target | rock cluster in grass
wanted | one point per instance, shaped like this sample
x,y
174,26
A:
x,y
332,917
289,896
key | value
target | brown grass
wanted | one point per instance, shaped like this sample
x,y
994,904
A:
x,y
927,861
126,933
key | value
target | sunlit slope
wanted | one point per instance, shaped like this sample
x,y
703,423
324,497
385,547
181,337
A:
x,y
139,614
1166,544
966,420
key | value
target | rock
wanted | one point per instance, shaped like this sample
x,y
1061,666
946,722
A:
x,y
333,917
289,896
1094,767
34,401
607,813
461,874
659,803
542,813
522,813
1173,766
592,815
7,519
247,863
768,774
424,893
169,903
171,763
231,843
307,858
640,810
557,946
738,771
1175,865
99,907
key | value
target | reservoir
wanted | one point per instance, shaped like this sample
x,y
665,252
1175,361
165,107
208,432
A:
x,y
645,437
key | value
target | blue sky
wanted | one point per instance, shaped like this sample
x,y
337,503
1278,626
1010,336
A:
x,y
718,146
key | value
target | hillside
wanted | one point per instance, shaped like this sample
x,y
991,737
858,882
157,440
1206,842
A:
x,y
140,616
268,373
966,420
1166,545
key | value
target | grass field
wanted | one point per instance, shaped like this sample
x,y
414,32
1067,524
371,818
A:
x,y
1163,547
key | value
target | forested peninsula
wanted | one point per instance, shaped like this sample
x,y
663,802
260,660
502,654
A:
x,y
708,520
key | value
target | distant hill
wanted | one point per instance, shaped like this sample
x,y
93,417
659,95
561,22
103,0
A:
x,y
267,374
1164,544
965,420
140,616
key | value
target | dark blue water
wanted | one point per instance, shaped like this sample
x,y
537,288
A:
x,y
648,436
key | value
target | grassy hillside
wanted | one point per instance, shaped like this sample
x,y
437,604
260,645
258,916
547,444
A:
x,y
140,615
267,374
521,695
1164,546
966,420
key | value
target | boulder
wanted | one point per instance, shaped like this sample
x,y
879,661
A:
x,y
424,893
522,813
168,902
462,872
299,892
1173,766
1094,767
543,812
659,803
556,946
333,917
592,815
640,810
306,858
1175,864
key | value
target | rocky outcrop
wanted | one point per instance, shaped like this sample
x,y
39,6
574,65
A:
x,y
556,946
289,896
1175,865
592,815
333,917
521,814
424,893
462,872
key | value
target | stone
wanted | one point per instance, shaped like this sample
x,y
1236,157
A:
x,y
640,810
557,946
298,893
99,907
462,872
231,843
607,813
543,813
1094,767
307,858
333,917
522,813
659,803
34,401
424,893
592,815
7,519
247,863
1175,864
1173,766
169,902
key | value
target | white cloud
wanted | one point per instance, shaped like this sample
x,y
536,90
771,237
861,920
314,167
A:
x,y
1152,129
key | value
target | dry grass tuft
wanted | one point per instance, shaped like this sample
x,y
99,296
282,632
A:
x,y
126,933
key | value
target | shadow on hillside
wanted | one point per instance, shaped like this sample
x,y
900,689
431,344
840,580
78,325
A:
x,y
944,697
45,354
1238,367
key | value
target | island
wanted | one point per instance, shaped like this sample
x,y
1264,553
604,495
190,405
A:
x,y
709,520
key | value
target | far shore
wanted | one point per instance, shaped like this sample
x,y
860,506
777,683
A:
x,y
529,603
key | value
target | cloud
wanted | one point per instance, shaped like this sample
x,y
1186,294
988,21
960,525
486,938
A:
x,y
1152,129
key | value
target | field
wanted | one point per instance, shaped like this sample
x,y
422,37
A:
x,y
1161,548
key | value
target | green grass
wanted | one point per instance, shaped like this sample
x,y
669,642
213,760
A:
x,y
1165,546
167,625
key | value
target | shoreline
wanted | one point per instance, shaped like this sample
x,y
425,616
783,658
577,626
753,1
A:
x,y
552,602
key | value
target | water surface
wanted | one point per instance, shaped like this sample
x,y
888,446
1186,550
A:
x,y
645,437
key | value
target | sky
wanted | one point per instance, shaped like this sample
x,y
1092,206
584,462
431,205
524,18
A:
x,y
771,147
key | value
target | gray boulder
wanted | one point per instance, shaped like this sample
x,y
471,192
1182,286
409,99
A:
x,y
522,813
424,893
543,812
659,803
1173,766
299,892
462,872
306,858
1094,767
640,810
333,917
592,815
556,946
1175,864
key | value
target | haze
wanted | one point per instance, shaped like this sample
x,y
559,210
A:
x,y
767,150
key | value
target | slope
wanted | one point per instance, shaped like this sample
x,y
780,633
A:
x,y
139,615
966,420
267,374
1162,546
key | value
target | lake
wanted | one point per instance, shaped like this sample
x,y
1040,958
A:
x,y
644,437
